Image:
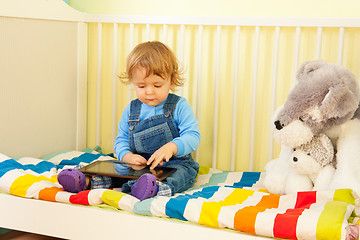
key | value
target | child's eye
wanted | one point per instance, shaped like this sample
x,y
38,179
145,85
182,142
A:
x,y
140,86
158,86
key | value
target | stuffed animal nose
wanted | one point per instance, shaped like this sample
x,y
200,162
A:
x,y
295,159
278,125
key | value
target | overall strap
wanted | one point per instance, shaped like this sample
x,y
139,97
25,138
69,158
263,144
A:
x,y
134,118
170,104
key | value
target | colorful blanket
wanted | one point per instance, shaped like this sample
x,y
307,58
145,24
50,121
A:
x,y
218,199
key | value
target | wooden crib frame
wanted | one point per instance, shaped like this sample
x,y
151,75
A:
x,y
75,221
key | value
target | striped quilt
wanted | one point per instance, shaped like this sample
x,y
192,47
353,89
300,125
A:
x,y
219,199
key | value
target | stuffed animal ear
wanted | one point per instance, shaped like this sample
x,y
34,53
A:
x,y
327,144
308,67
338,102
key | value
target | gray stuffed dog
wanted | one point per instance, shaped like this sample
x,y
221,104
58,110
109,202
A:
x,y
325,100
326,96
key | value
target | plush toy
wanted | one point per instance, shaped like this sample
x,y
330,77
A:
x,y
312,165
326,100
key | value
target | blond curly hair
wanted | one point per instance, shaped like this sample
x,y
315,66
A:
x,y
157,59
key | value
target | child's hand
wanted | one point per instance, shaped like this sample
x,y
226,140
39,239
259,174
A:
x,y
135,159
163,153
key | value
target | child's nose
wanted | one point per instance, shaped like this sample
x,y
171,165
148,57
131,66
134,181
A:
x,y
149,90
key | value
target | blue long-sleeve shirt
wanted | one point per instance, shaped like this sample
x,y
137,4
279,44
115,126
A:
x,y
184,120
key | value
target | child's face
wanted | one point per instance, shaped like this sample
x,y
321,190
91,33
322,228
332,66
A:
x,y
151,90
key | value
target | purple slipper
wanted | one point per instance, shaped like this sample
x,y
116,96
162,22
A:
x,y
72,180
145,187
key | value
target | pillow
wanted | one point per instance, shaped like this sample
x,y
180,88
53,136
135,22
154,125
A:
x,y
69,159
3,157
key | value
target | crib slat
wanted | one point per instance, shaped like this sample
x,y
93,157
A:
x,y
131,45
198,85
98,86
216,96
235,99
115,81
253,100
131,36
165,33
273,84
147,33
181,55
341,45
297,51
318,42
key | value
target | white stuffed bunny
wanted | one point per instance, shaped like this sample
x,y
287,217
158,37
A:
x,y
312,166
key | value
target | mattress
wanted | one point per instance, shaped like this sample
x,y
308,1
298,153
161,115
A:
x,y
219,199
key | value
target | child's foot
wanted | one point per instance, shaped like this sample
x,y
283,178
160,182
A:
x,y
72,180
145,187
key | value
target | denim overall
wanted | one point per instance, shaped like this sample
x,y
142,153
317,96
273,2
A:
x,y
147,136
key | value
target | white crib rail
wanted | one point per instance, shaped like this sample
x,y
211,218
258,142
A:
x,y
224,20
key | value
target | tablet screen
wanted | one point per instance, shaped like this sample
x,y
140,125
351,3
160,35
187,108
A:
x,y
107,168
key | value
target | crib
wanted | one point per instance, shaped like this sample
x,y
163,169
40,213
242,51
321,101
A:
x,y
60,91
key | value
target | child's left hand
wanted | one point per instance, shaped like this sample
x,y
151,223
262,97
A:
x,y
163,153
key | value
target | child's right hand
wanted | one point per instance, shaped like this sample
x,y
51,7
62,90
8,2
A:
x,y
135,159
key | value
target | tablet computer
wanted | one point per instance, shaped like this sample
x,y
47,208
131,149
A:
x,y
107,168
